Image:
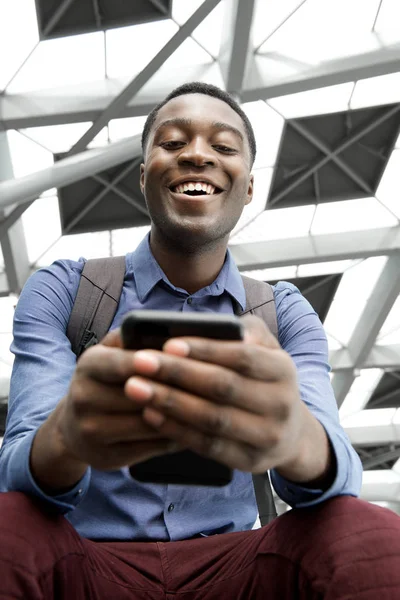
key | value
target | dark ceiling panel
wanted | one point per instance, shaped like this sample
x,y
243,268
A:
x,y
305,171
319,291
87,16
113,210
387,392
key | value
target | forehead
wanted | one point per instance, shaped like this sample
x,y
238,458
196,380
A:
x,y
202,110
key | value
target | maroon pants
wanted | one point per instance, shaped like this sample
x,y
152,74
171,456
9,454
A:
x,y
343,549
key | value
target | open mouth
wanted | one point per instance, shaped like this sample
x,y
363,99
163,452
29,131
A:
x,y
196,188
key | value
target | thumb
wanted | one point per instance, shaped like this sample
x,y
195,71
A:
x,y
257,332
112,339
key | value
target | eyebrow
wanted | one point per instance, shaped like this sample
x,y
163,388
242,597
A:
x,y
181,122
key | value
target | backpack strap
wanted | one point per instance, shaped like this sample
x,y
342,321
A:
x,y
96,301
260,302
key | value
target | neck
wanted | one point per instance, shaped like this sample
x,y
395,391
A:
x,y
189,270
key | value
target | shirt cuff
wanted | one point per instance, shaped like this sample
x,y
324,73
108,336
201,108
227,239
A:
x,y
347,480
23,481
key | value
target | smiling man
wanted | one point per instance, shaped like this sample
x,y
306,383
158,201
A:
x,y
74,524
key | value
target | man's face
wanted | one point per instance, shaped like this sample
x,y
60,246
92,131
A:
x,y
196,175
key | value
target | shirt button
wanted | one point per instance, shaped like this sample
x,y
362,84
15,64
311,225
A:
x,y
189,300
171,507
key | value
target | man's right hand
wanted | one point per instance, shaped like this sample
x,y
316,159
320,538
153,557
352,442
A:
x,y
95,423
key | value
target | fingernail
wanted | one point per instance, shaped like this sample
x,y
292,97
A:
x,y
146,361
141,389
178,347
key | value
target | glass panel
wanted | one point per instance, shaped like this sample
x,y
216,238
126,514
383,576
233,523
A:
x,y
189,53
351,297
268,16
360,392
42,226
57,138
389,17
276,274
27,156
130,49
59,62
88,245
123,128
262,182
325,268
127,240
384,89
268,127
208,33
18,36
277,224
312,33
334,98
351,215
388,190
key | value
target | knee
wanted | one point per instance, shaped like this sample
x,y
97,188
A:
x,y
30,535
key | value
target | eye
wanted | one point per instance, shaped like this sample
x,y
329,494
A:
x,y
225,149
172,144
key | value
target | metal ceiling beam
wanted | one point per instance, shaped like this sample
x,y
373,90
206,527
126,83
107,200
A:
x,y
317,248
122,99
380,357
370,322
236,46
77,104
263,84
380,459
12,240
72,104
339,162
68,170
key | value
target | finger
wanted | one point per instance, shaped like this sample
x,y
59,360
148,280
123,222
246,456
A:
x,y
234,454
216,383
112,339
89,396
106,364
221,421
104,430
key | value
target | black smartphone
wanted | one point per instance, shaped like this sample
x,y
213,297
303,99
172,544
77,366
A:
x,y
151,329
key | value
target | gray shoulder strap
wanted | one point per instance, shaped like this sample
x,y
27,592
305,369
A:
x,y
260,302
96,301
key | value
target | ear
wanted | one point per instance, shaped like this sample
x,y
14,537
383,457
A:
x,y
249,196
142,178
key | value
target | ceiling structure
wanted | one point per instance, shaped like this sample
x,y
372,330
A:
x,y
320,82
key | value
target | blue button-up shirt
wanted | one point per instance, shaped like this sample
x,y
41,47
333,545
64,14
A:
x,y
112,505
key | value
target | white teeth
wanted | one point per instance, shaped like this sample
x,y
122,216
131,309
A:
x,y
197,186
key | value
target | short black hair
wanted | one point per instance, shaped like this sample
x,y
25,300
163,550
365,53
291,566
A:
x,y
198,87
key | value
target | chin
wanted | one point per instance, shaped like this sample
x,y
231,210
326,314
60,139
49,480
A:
x,y
193,238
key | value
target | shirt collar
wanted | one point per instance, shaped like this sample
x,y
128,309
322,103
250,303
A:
x,y
148,273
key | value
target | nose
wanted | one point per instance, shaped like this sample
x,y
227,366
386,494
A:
x,y
197,153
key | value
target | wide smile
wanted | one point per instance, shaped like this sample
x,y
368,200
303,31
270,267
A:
x,y
195,191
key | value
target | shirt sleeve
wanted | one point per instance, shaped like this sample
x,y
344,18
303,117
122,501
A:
x,y
302,335
42,370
